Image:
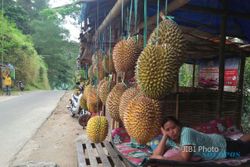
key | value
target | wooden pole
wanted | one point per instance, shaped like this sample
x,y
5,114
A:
x,y
222,61
240,90
177,106
174,5
114,12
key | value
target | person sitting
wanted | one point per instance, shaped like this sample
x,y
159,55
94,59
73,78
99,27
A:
x,y
192,143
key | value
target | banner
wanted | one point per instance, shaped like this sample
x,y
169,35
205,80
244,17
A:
x,y
209,74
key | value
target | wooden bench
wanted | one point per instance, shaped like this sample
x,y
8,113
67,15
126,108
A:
x,y
96,155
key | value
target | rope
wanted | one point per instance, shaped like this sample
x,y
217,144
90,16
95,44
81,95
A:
x,y
157,20
136,9
122,13
110,51
145,24
130,16
166,7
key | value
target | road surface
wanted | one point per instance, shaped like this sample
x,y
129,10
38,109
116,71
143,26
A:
x,y
20,117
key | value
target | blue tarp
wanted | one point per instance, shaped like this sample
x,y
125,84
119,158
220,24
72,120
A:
x,y
236,26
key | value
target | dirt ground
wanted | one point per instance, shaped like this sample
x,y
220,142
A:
x,y
55,141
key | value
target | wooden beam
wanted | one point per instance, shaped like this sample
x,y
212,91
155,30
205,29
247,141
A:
x,y
176,4
114,12
222,61
240,89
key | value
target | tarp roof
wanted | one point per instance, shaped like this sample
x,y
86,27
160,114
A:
x,y
205,15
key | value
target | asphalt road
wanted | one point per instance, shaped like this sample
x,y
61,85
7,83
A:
x,y
20,117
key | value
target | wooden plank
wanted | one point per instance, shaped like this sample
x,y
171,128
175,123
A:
x,y
80,155
103,156
92,157
113,154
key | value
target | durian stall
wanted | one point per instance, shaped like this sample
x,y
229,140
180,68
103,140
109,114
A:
x,y
133,51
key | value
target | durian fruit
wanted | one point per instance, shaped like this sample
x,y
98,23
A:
x,y
83,103
142,118
97,129
108,64
93,101
86,91
169,33
94,107
126,53
156,71
90,72
104,88
113,101
98,71
128,95
97,57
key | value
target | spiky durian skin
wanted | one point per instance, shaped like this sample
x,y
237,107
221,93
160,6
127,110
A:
x,y
86,91
108,64
169,33
128,95
97,129
125,54
156,71
113,101
93,101
142,118
104,88
90,72
83,103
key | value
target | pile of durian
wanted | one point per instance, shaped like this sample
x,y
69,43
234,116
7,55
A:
x,y
155,68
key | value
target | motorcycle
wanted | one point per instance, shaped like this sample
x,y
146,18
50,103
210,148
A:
x,y
74,107
76,110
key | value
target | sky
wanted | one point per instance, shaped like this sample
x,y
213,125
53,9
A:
x,y
69,23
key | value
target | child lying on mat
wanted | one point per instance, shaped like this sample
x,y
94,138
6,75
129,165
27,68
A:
x,y
191,145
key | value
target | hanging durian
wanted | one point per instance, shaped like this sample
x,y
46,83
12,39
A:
x,y
104,88
113,101
128,95
142,118
93,101
97,129
156,71
126,53
90,72
83,103
169,33
108,64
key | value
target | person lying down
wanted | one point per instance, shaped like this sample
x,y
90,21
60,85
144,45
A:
x,y
186,144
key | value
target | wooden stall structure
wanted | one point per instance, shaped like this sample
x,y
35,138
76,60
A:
x,y
215,34
186,103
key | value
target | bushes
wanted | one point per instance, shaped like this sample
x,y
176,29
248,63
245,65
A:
x,y
18,50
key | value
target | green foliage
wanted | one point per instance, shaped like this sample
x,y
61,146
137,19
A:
x,y
186,75
246,98
18,50
45,33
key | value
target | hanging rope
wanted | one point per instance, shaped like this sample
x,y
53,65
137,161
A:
x,y
135,11
145,24
130,16
166,7
110,51
122,13
157,20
